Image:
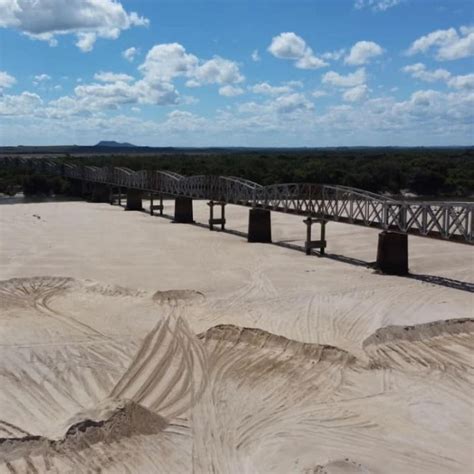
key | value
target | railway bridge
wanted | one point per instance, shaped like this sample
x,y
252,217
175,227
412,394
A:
x,y
317,203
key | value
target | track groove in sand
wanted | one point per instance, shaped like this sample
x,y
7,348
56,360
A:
x,y
266,362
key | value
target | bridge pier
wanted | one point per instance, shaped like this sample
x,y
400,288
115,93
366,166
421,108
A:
x,y
216,221
392,253
134,200
154,207
320,244
183,210
260,226
100,193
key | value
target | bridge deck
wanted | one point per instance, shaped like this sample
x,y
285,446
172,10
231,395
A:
x,y
452,221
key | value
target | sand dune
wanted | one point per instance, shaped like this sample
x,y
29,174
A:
x,y
260,367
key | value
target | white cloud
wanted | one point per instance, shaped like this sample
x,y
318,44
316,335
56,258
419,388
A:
x,y
87,19
6,80
354,79
130,53
42,77
449,44
462,82
334,55
291,46
292,103
166,61
230,91
376,5
23,104
255,55
112,77
215,71
362,52
355,94
265,88
318,93
419,71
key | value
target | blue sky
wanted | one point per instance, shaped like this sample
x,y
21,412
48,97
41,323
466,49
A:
x,y
237,72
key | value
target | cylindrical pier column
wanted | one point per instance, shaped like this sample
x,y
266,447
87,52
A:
x,y
260,226
183,210
392,253
134,200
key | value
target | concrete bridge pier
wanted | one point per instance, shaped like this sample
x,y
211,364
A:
x,y
392,253
156,207
183,210
260,226
134,200
100,193
315,244
216,221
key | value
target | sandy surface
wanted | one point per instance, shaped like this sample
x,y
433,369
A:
x,y
132,344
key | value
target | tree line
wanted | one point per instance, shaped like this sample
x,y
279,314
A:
x,y
433,172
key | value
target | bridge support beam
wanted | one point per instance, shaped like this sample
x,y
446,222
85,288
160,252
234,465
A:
x,y
156,207
183,210
320,244
392,253
216,221
100,193
260,226
134,200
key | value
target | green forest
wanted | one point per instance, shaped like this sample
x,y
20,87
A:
x,y
427,172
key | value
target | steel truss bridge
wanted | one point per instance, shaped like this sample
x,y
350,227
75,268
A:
x,y
451,221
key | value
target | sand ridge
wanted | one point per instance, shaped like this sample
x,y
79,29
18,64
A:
x,y
274,364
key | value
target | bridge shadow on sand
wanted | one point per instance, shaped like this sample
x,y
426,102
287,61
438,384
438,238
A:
x,y
431,279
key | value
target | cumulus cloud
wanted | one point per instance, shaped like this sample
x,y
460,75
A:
x,y
6,80
87,19
112,77
230,91
215,71
42,77
419,71
23,104
130,53
362,52
462,82
255,55
354,79
355,94
376,5
164,62
265,88
448,44
291,46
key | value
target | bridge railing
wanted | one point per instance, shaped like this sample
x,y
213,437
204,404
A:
x,y
448,220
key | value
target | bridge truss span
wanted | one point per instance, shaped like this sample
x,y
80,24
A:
x,y
452,221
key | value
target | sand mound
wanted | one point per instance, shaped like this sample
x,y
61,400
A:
x,y
109,422
178,297
442,345
258,339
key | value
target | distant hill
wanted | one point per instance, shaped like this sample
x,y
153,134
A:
x,y
113,144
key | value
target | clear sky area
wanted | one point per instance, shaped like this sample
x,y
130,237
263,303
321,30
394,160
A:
x,y
237,72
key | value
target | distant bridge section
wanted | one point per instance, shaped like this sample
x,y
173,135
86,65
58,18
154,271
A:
x,y
318,203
